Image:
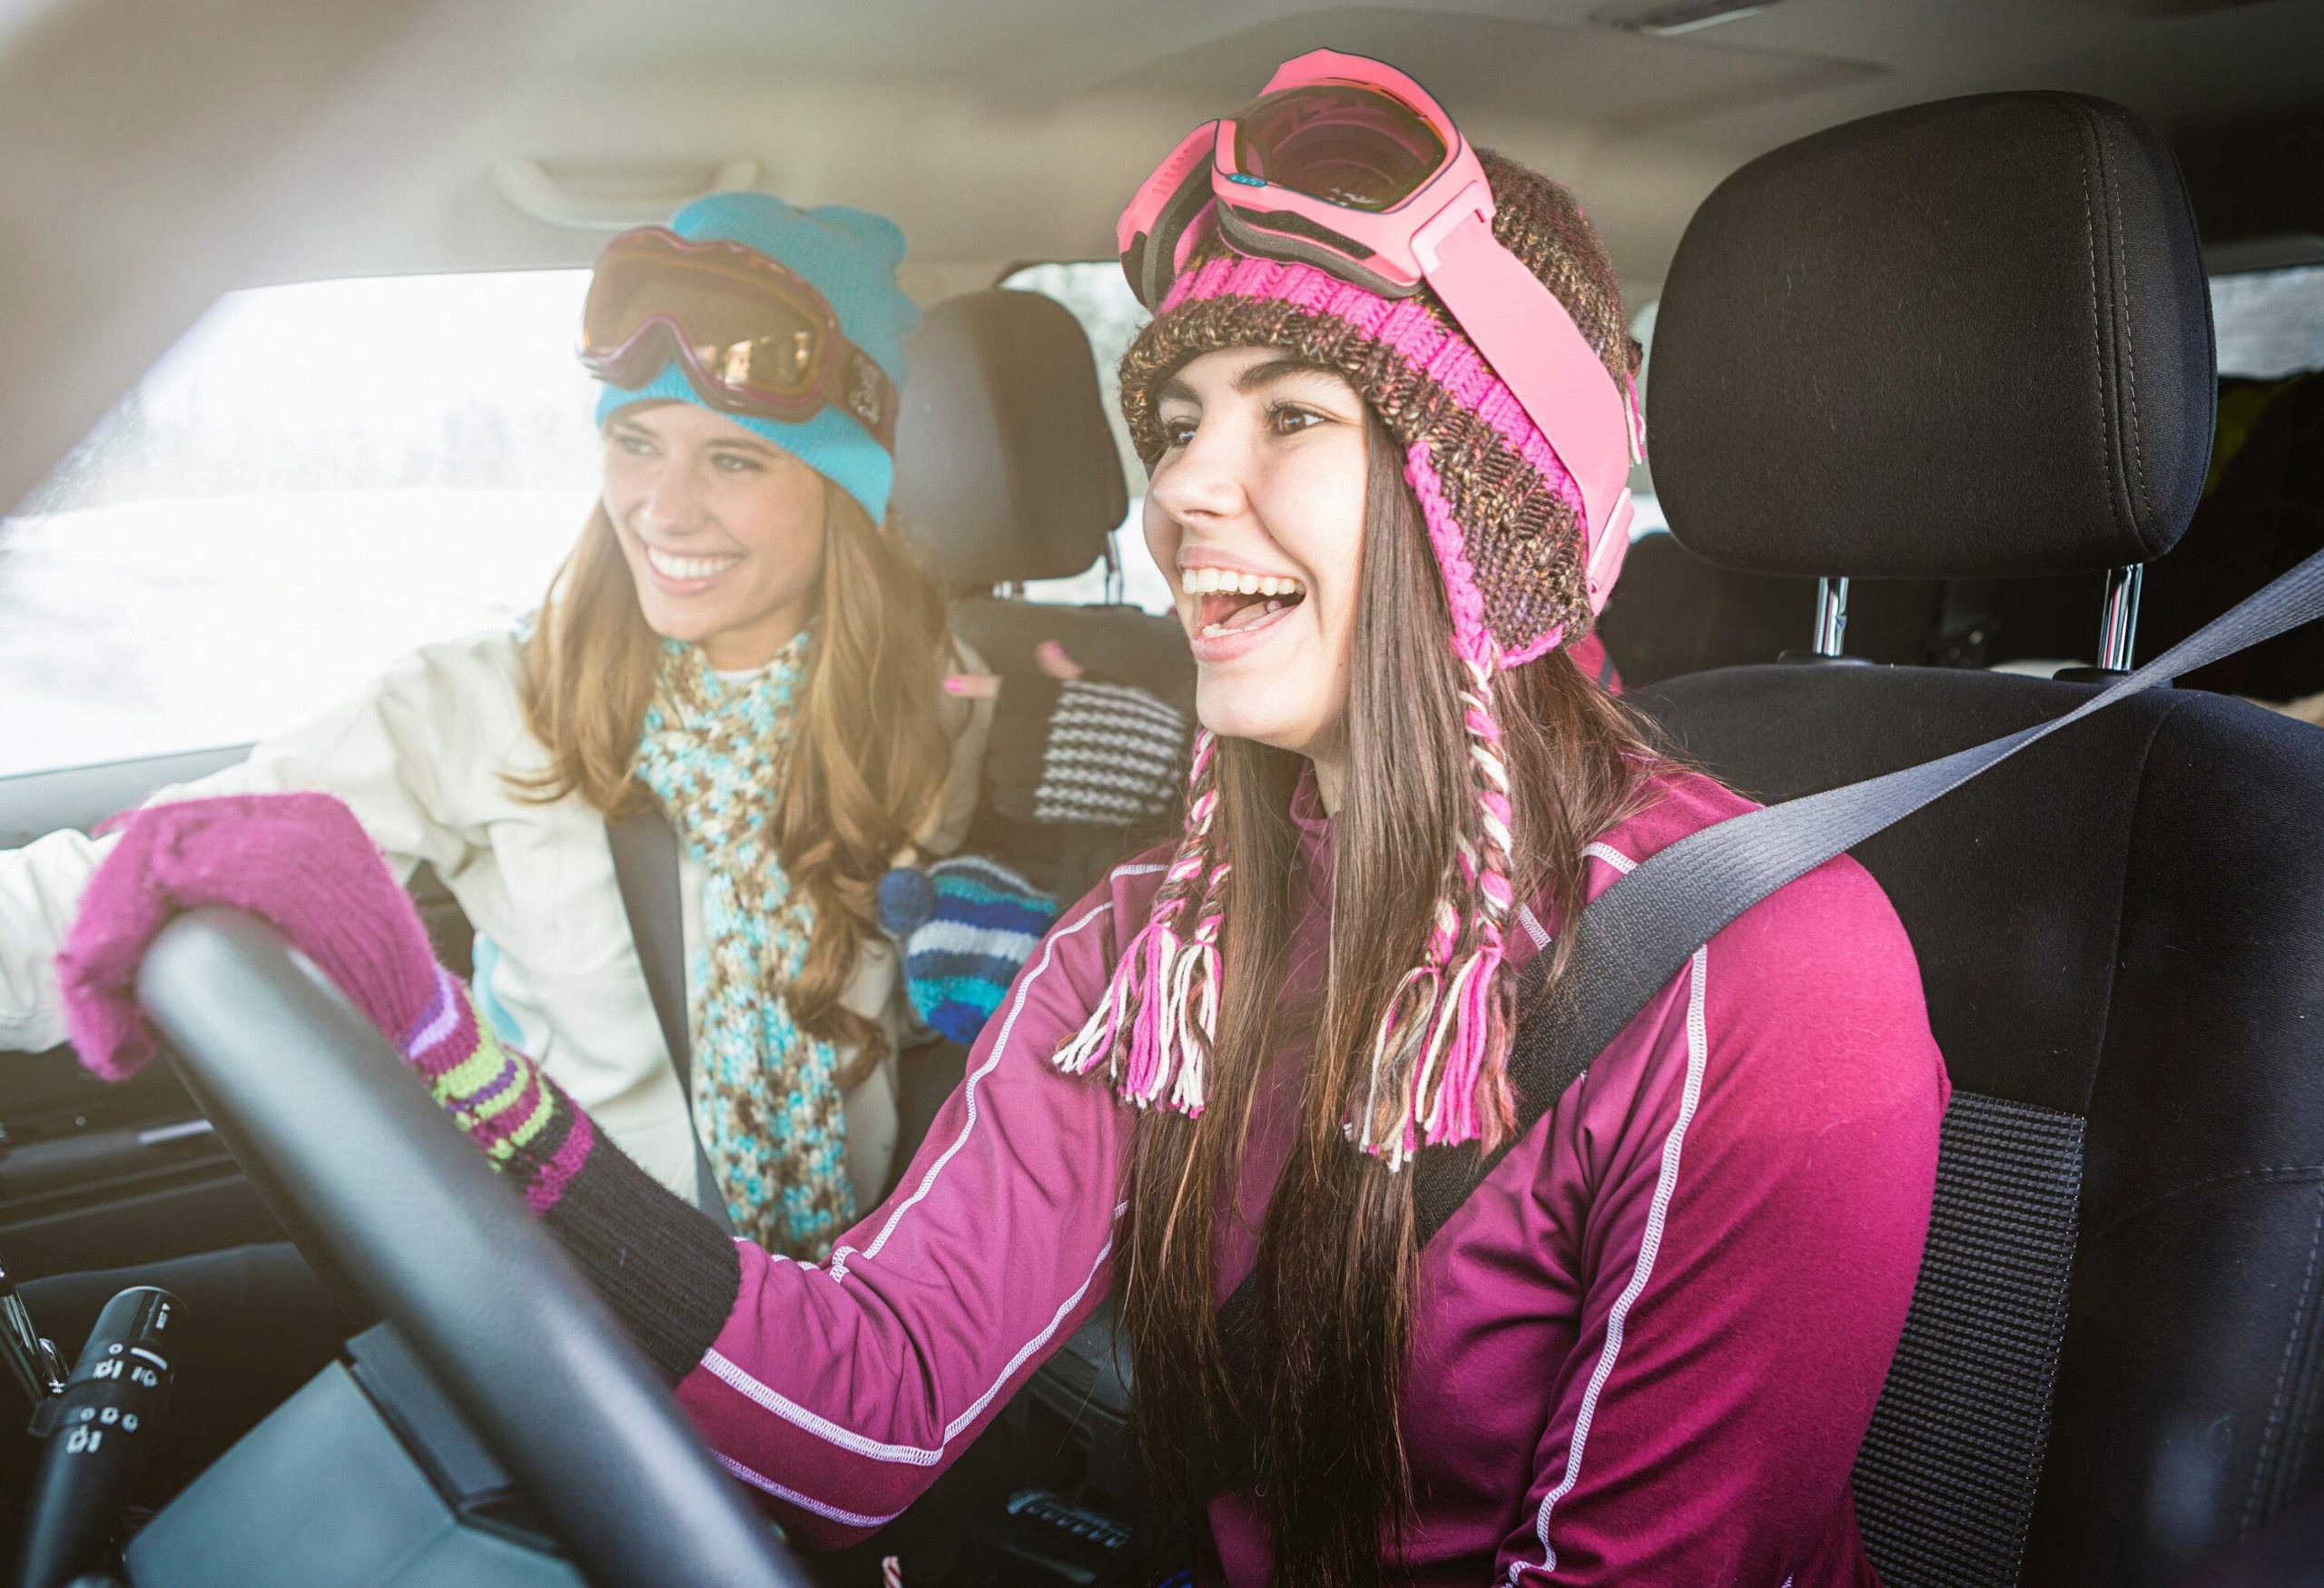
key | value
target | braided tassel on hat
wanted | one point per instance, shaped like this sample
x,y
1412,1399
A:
x,y
1440,1058
1152,1030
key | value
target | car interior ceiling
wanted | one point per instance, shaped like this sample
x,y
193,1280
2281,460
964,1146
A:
x,y
613,105
2117,982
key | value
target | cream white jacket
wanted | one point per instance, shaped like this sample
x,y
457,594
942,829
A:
x,y
419,755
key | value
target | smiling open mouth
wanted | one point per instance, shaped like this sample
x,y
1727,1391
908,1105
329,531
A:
x,y
1226,602
687,569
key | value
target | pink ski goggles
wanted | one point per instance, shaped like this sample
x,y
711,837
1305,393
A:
x,y
1345,163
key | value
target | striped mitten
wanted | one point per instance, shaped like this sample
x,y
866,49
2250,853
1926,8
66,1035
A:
x,y
669,1274
966,927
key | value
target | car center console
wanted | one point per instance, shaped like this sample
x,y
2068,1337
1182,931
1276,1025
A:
x,y
366,1477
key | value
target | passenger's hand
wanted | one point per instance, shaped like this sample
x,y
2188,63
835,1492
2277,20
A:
x,y
965,926
300,861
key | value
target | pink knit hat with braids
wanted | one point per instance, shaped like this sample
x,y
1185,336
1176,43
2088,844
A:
x,y
1505,522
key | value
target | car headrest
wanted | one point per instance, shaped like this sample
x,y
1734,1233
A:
x,y
1969,338
1005,467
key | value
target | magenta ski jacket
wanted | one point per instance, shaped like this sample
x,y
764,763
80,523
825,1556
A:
x,y
1645,1350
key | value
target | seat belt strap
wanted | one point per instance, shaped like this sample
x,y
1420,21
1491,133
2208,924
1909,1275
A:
x,y
1638,934
646,869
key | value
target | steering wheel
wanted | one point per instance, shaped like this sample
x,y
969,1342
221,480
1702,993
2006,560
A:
x,y
310,1094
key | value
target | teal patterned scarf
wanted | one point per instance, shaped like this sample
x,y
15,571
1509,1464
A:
x,y
765,1098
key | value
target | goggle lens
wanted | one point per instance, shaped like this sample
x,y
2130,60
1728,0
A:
x,y
743,336
1345,143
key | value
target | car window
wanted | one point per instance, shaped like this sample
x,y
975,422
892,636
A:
x,y
316,478
1646,516
1101,299
2269,323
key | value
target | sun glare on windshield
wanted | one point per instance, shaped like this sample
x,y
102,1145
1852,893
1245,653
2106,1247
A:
x,y
316,478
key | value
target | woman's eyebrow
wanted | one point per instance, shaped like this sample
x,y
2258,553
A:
x,y
741,444
1271,371
1266,372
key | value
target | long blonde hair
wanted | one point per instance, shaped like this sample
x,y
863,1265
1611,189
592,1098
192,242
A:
x,y
869,756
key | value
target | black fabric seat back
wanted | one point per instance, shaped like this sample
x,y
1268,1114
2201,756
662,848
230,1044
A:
x,y
1674,614
1005,467
1970,342
2264,513
2122,936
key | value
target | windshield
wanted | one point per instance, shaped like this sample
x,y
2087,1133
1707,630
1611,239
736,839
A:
x,y
315,479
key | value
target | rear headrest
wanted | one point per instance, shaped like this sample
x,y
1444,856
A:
x,y
1005,469
1966,339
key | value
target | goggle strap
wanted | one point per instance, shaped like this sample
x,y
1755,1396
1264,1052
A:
x,y
1540,354
867,393
1174,222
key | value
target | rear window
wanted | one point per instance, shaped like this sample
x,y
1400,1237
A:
x,y
2269,323
317,478
1100,299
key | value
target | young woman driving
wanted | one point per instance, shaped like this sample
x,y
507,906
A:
x,y
1647,1348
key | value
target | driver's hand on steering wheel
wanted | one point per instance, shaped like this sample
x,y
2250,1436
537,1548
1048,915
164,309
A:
x,y
300,861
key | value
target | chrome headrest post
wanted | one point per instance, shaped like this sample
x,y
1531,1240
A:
x,y
1831,617
2118,616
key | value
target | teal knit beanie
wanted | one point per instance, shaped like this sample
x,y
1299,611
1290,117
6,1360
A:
x,y
849,257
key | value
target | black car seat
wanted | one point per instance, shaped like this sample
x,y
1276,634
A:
x,y
1971,340
1675,613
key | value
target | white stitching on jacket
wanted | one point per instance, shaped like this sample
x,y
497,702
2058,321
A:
x,y
740,1380
736,1377
1666,1181
828,1512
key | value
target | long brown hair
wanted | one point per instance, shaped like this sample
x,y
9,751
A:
x,y
1337,1253
869,756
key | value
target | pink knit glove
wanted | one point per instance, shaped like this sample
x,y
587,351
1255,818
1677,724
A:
x,y
299,861
303,864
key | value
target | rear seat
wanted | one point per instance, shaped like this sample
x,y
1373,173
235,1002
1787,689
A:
x,y
1005,473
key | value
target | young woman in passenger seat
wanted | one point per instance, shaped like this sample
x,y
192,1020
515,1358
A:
x,y
1647,1348
735,635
